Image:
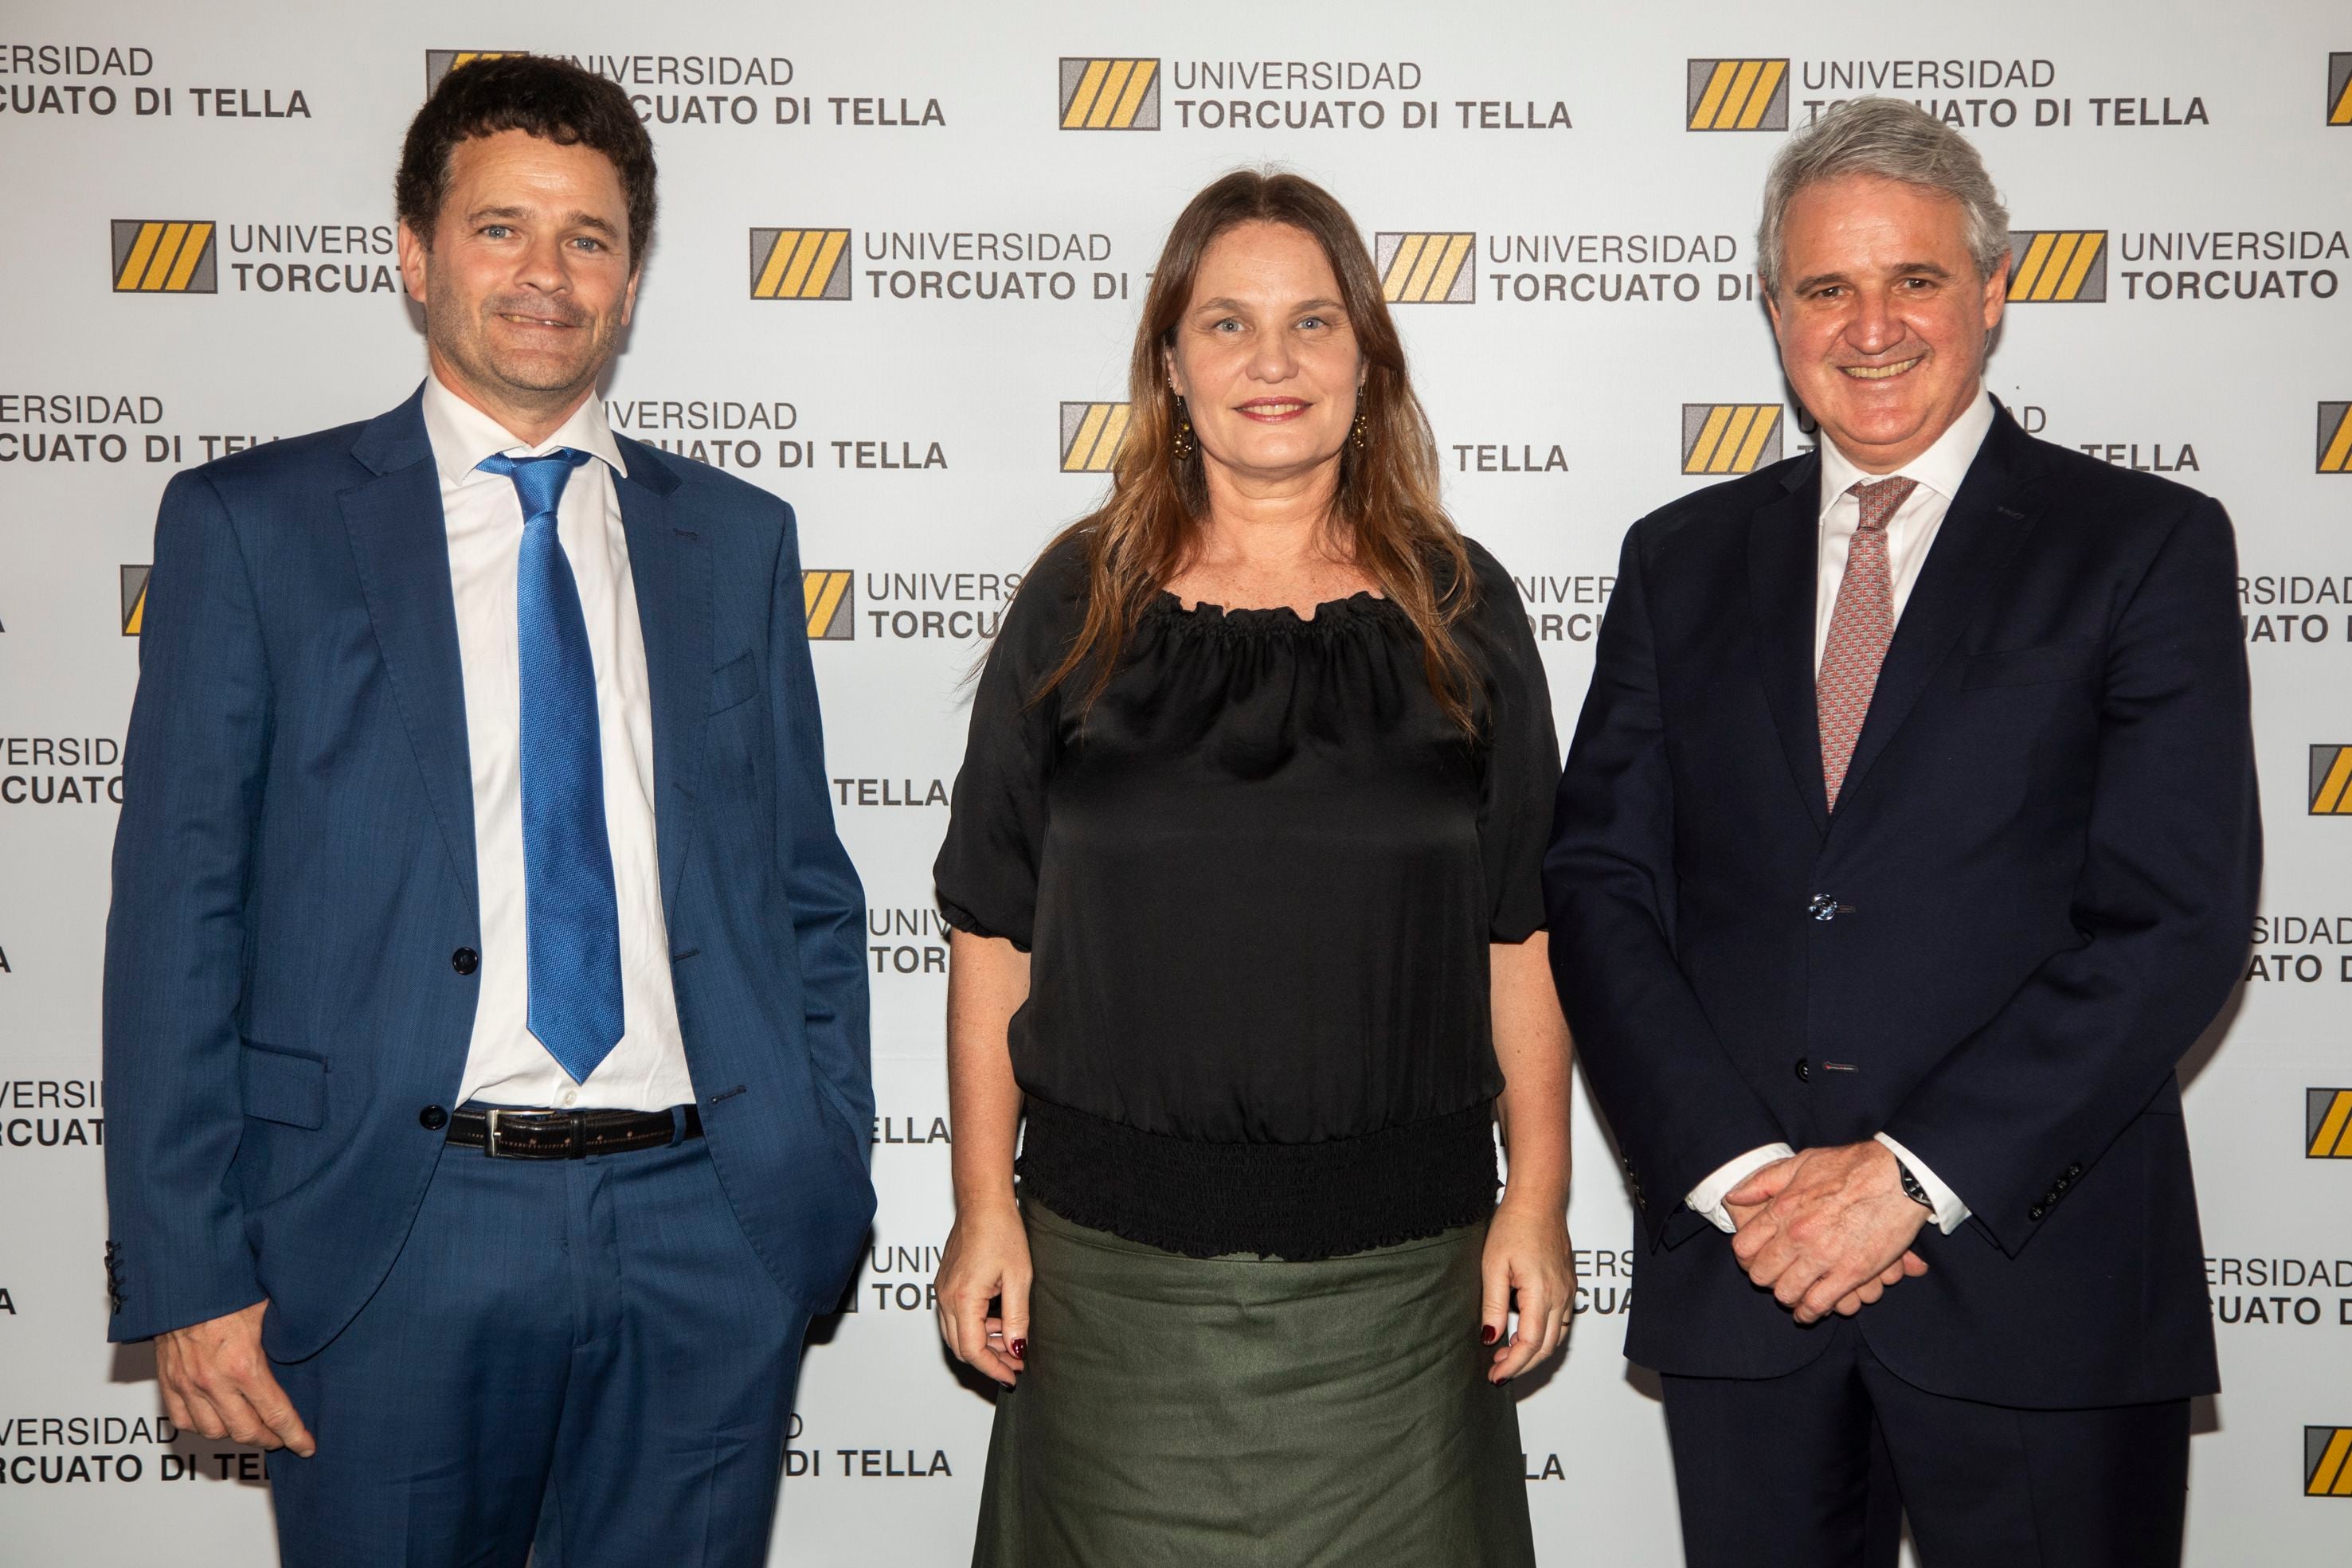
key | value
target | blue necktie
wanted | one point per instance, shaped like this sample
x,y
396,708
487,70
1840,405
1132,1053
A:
x,y
572,916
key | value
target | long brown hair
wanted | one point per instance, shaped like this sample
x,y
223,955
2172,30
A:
x,y
1386,508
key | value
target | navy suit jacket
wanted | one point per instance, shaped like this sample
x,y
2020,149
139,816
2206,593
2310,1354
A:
x,y
2039,886
294,870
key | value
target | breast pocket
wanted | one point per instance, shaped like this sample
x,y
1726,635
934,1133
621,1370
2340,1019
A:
x,y
2033,666
738,728
735,682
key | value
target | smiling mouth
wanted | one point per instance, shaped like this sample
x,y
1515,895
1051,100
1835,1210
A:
x,y
1881,372
1274,408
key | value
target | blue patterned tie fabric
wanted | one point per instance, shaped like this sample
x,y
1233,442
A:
x,y
570,911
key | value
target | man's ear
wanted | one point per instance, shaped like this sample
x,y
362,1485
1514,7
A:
x,y
629,299
415,263
1997,290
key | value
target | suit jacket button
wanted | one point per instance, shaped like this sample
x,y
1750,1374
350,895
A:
x,y
2074,1171
433,1118
1822,907
465,960
1804,1070
2036,1212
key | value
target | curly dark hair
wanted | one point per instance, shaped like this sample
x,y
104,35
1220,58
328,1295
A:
x,y
547,97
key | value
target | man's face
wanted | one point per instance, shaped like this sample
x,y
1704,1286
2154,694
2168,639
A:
x,y
528,282
1882,318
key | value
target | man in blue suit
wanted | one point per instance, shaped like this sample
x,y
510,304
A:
x,y
484,1004
1907,842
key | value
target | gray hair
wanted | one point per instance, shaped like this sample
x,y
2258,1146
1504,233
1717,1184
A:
x,y
1892,140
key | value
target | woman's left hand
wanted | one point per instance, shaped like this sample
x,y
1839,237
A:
x,y
1527,1252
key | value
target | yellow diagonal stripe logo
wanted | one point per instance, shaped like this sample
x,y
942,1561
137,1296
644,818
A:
x,y
164,255
2336,437
1427,268
2331,773
2339,88
1730,437
800,264
1100,94
1737,95
2327,1123
2327,1461
831,600
134,599
2060,267
1092,434
439,63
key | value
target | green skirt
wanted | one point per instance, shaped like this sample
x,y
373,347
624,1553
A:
x,y
1207,1412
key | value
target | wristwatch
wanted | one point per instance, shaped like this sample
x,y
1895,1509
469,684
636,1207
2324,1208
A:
x,y
1912,1190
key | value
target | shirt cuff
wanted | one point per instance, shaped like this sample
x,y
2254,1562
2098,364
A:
x,y
1706,1197
1950,1212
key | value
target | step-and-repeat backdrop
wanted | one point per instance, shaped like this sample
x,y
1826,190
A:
x,y
901,255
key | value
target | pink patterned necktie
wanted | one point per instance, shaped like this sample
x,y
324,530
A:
x,y
1860,628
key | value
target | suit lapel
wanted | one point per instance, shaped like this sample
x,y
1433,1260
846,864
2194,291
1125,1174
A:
x,y
1985,524
670,564
401,548
1783,573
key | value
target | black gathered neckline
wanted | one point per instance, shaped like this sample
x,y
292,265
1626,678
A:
x,y
1362,606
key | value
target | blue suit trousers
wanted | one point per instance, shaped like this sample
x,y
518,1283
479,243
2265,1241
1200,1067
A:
x,y
579,1358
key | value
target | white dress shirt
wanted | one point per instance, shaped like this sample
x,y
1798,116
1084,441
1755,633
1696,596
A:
x,y
505,1065
1910,533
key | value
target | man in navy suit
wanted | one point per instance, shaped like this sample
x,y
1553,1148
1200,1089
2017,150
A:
x,y
1907,843
485,1001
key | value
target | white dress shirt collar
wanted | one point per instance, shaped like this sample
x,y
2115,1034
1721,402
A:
x,y
462,435
1940,468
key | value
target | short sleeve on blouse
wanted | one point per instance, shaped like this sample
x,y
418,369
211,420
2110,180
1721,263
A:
x,y
986,875
1523,761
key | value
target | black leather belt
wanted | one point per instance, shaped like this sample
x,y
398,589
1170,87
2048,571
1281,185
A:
x,y
568,1135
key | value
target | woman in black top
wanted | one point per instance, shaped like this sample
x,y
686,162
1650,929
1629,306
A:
x,y
1242,873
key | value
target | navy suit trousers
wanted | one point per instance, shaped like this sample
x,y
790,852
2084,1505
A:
x,y
1818,1468
581,1356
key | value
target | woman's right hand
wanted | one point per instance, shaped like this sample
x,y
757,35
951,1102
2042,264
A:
x,y
987,1258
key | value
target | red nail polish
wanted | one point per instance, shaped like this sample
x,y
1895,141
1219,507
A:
x,y
1020,1350
1486,1333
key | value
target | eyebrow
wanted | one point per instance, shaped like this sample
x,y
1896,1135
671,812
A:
x,y
575,220
1223,304
1900,269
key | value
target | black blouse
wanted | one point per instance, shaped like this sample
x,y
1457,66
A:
x,y
1257,881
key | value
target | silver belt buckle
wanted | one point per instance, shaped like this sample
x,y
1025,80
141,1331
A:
x,y
490,1142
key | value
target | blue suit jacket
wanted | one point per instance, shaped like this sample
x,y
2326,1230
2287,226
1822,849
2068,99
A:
x,y
2040,881
294,869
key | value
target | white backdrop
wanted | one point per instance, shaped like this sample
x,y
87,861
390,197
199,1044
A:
x,y
914,400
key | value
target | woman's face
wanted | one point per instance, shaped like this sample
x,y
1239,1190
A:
x,y
1264,357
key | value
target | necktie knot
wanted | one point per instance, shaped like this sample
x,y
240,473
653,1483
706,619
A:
x,y
1880,498
539,481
